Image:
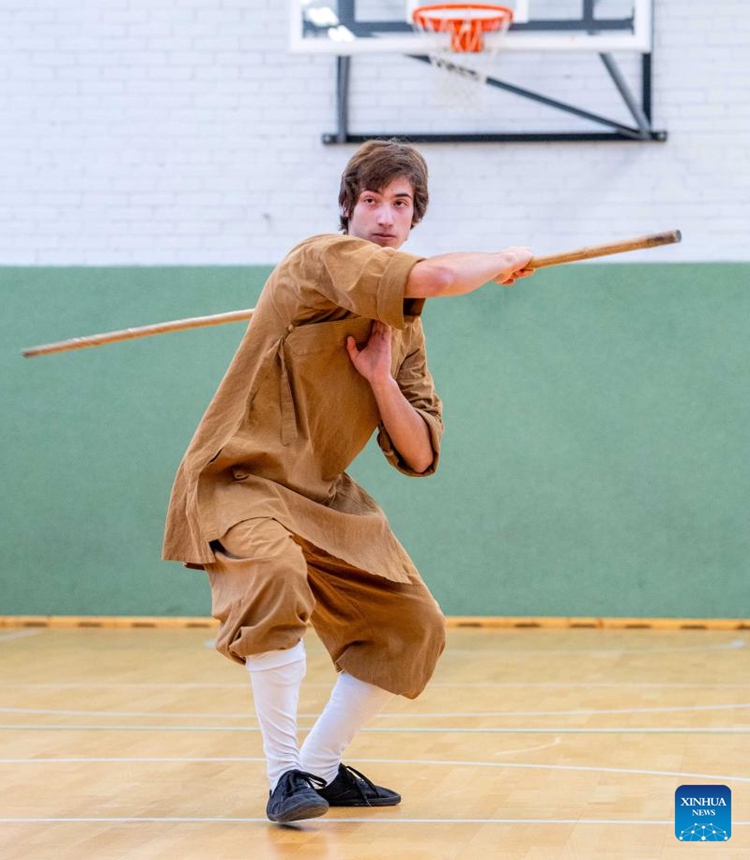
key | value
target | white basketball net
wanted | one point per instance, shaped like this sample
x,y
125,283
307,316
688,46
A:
x,y
464,63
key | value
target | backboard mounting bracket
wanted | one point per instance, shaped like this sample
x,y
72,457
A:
x,y
640,110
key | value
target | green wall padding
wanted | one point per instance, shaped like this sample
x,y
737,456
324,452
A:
x,y
596,459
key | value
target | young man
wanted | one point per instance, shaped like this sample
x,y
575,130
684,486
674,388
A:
x,y
262,501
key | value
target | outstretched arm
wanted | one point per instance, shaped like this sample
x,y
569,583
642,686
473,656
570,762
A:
x,y
405,426
463,272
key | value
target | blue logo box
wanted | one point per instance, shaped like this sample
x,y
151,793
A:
x,y
703,813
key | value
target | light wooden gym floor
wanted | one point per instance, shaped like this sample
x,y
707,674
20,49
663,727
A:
x,y
529,743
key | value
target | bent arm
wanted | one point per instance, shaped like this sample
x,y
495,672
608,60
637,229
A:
x,y
464,272
406,428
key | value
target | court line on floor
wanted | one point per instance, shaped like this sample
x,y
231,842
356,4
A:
x,y
395,761
391,715
690,685
18,634
243,685
241,758
564,713
735,644
664,730
205,820
551,652
328,820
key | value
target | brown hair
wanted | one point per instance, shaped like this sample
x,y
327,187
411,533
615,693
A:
x,y
374,166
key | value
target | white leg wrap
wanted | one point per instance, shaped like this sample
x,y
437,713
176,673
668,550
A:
x,y
276,677
352,704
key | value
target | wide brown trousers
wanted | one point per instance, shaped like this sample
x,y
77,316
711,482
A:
x,y
268,586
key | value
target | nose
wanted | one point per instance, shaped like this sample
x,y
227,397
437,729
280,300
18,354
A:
x,y
385,216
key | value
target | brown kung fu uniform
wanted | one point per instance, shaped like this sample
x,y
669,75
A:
x,y
262,499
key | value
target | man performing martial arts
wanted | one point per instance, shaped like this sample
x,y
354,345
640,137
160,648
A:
x,y
262,501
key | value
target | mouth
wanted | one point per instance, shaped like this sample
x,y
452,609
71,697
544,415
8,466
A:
x,y
384,237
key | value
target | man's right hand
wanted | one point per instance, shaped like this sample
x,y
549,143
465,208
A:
x,y
466,271
518,258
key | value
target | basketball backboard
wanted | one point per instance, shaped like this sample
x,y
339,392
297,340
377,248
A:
x,y
569,46
351,27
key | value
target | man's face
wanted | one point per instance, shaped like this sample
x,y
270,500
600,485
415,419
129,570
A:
x,y
384,216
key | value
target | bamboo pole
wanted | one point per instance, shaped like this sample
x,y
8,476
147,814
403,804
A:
x,y
587,253
652,240
142,331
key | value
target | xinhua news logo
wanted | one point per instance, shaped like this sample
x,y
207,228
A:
x,y
703,813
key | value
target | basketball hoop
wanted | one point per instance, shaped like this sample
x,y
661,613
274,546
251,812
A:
x,y
465,25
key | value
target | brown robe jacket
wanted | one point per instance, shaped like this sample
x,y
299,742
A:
x,y
292,413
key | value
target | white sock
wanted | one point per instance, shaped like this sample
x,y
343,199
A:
x,y
352,704
276,677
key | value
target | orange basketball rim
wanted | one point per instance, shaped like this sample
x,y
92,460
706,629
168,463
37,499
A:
x,y
466,22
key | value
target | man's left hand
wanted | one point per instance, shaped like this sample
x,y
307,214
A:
x,y
373,361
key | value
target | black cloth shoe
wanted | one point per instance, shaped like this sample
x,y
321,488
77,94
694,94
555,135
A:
x,y
352,788
295,797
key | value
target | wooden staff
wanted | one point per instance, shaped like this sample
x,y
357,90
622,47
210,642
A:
x,y
141,331
651,241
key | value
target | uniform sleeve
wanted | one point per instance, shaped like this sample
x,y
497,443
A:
x,y
364,278
416,383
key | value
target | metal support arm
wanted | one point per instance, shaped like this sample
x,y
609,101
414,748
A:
x,y
616,131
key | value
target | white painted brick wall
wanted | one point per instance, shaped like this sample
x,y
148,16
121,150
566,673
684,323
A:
x,y
184,132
